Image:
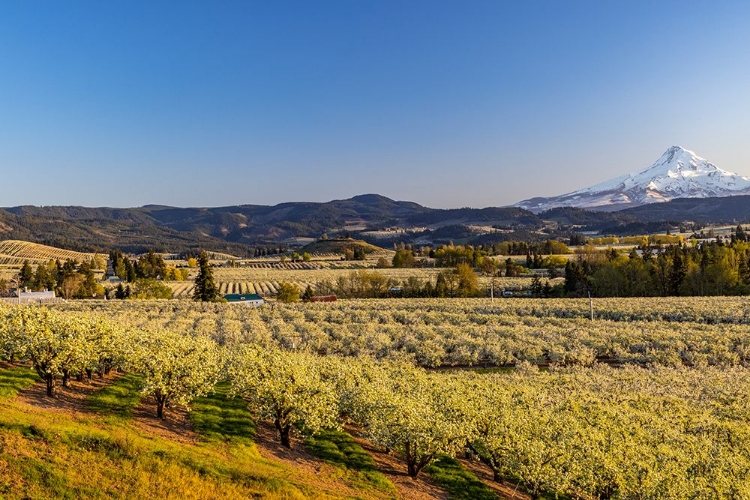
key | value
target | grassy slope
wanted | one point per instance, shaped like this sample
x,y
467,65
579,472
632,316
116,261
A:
x,y
54,454
100,454
339,449
460,483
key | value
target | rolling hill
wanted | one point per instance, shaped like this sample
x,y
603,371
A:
x,y
15,253
239,230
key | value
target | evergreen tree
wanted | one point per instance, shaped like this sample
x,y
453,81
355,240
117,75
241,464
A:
x,y
205,286
27,275
118,263
151,266
740,233
536,286
441,286
42,278
679,271
130,273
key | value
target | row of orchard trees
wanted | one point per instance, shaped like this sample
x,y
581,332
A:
x,y
583,432
59,346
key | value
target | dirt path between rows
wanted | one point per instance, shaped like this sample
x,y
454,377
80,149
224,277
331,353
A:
x,y
307,467
177,425
72,401
505,491
407,488
395,470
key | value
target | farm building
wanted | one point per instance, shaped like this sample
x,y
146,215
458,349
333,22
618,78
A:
x,y
323,298
32,298
249,299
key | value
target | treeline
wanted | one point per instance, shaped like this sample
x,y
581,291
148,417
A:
x,y
69,279
459,282
476,256
710,268
143,276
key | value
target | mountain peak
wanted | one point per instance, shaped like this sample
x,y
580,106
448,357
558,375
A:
x,y
678,173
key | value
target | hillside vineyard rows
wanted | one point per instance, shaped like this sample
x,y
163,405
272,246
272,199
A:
x,y
14,253
671,419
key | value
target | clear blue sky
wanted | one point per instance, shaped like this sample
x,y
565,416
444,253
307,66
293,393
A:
x,y
449,104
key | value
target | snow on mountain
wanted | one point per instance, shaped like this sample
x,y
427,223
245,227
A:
x,y
679,173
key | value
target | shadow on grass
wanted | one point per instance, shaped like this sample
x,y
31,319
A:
x,y
219,418
13,380
460,483
339,449
117,399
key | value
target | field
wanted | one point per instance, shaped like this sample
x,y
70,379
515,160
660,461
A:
x,y
14,253
640,402
264,279
465,332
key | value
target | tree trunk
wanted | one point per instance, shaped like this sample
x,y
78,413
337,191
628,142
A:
x,y
160,402
49,380
411,468
66,378
79,376
89,373
415,465
284,433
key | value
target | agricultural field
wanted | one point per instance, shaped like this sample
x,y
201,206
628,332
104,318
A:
x,y
14,253
8,273
264,279
517,398
470,332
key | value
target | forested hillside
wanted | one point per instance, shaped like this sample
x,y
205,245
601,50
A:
x,y
238,230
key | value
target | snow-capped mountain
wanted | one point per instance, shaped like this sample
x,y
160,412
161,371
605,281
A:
x,y
679,173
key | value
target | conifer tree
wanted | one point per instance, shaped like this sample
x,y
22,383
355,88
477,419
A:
x,y
205,286
27,274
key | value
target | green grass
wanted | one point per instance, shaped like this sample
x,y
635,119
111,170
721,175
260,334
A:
x,y
117,399
105,455
219,418
339,449
13,380
50,454
460,483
